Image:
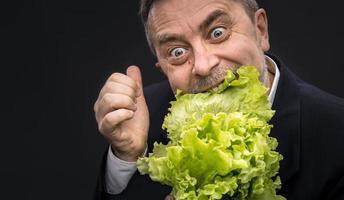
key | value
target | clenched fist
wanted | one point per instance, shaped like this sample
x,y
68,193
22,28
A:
x,y
122,114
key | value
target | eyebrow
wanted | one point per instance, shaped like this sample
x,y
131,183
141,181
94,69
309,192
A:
x,y
165,38
211,18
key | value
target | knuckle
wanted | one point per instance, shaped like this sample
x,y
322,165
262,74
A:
x,y
107,98
100,127
123,113
127,103
115,104
95,107
108,119
118,101
96,112
115,76
131,83
132,94
109,86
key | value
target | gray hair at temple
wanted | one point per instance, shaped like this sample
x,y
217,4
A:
x,y
250,6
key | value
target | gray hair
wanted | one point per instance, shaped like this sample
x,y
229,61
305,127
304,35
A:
x,y
250,6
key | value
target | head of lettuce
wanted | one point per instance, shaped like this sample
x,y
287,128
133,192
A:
x,y
219,143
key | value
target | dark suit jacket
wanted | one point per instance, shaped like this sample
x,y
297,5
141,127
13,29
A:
x,y
308,124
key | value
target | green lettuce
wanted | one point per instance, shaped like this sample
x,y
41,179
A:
x,y
219,143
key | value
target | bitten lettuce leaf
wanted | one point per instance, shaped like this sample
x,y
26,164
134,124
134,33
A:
x,y
219,143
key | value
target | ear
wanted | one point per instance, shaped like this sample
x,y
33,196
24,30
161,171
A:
x,y
262,29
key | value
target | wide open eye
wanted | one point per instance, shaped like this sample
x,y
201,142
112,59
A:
x,y
178,52
217,33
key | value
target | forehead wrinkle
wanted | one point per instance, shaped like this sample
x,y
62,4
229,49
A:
x,y
162,17
164,34
161,22
166,38
161,11
214,16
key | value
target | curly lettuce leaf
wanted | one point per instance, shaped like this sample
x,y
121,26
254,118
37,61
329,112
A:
x,y
219,143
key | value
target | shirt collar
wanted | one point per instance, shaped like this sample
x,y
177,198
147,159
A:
x,y
272,68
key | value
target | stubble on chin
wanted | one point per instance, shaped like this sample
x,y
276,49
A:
x,y
215,78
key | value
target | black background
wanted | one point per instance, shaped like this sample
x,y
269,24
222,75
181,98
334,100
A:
x,y
57,54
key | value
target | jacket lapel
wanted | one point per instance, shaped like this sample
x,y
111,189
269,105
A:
x,y
286,122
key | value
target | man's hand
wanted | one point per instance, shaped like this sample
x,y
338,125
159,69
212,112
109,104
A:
x,y
169,197
122,114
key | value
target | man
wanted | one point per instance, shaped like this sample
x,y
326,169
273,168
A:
x,y
195,42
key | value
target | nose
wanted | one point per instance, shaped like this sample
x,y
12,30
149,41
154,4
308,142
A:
x,y
204,61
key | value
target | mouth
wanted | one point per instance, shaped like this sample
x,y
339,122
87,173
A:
x,y
217,87
210,89
207,84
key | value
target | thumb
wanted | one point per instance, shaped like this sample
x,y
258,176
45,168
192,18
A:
x,y
135,73
142,110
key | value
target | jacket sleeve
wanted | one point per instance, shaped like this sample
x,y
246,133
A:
x,y
100,191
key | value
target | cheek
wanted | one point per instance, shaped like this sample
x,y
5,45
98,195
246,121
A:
x,y
242,50
179,80
179,77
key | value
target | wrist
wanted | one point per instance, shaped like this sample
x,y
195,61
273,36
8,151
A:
x,y
128,157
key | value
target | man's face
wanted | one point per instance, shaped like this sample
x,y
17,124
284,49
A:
x,y
196,41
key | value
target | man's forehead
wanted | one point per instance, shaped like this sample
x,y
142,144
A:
x,y
167,13
167,10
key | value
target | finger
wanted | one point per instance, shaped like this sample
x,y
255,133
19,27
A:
x,y
135,73
111,120
123,79
114,87
169,197
111,102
